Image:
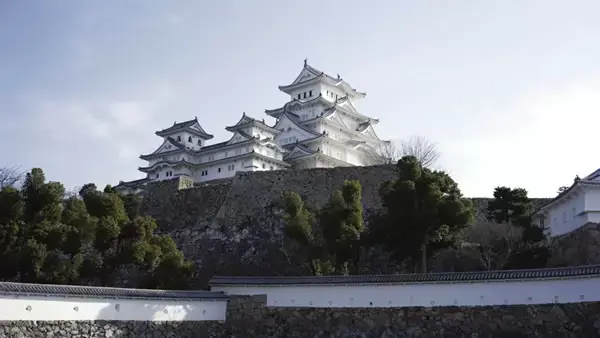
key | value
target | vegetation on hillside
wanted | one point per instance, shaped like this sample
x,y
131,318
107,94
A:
x,y
47,236
424,214
330,236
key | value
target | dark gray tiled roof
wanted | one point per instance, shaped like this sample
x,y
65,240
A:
x,y
454,277
185,125
7,288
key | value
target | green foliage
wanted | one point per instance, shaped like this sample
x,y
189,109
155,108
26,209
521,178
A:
x,y
424,212
330,236
90,239
510,206
513,206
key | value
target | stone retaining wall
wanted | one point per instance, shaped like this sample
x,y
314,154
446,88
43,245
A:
x,y
235,227
247,317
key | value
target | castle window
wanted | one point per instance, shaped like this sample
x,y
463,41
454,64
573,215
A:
x,y
179,138
219,170
231,167
264,166
157,175
299,96
310,93
199,142
304,94
271,167
190,139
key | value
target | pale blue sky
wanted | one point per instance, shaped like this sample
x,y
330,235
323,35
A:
x,y
509,90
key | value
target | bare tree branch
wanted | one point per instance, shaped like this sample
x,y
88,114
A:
x,y
424,150
385,153
9,177
390,152
495,242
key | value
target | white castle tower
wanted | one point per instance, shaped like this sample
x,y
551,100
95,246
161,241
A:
x,y
319,127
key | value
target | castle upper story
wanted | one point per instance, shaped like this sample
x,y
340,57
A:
x,y
318,127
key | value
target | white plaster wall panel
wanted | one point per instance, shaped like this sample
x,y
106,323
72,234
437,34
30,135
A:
x,y
62,308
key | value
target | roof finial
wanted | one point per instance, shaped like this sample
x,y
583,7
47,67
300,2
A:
x,y
338,76
305,61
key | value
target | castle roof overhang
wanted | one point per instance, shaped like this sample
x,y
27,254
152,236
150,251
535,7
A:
x,y
179,148
287,107
165,163
297,151
247,121
578,186
132,184
191,126
310,75
293,118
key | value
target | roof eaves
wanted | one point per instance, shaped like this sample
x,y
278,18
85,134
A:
x,y
9,288
454,277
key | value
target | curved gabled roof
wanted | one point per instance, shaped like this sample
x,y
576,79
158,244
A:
x,y
246,120
178,148
286,107
310,74
191,126
294,119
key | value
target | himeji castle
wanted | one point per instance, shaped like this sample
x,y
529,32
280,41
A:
x,y
319,127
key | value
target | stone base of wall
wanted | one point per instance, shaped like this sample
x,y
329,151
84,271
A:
x,y
247,317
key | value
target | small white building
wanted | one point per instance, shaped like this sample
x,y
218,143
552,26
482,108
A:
x,y
574,207
319,127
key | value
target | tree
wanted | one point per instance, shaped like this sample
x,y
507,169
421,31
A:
x,y
9,177
495,243
332,236
46,237
513,206
424,150
388,152
424,211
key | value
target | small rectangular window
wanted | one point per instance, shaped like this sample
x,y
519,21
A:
x,y
264,166
304,94
299,96
219,170
310,93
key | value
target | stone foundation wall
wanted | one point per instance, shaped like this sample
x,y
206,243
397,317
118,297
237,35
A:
x,y
234,226
247,317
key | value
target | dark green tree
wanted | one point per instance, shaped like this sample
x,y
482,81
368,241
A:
x,y
510,206
331,237
513,206
424,211
47,238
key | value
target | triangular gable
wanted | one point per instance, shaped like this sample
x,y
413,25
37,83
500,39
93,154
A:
x,y
306,74
243,120
287,123
299,151
346,104
370,132
595,176
238,137
335,117
196,126
168,145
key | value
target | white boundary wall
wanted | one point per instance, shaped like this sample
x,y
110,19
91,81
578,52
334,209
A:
x,y
570,290
71,308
